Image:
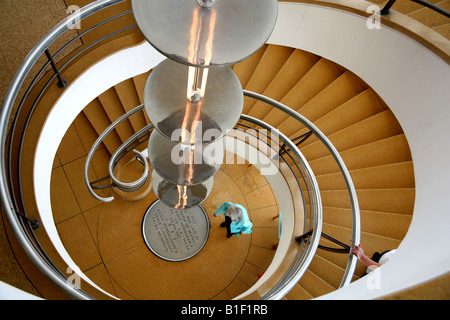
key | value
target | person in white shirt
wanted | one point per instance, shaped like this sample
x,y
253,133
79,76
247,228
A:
x,y
377,260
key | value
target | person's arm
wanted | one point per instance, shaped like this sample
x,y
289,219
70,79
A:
x,y
359,253
223,208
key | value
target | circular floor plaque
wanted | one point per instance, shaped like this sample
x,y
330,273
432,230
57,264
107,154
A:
x,y
175,235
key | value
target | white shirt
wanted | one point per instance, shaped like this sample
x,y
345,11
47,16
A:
x,y
384,258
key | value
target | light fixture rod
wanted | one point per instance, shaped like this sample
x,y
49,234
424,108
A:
x,y
206,3
197,83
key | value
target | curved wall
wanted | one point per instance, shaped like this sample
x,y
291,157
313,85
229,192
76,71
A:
x,y
414,82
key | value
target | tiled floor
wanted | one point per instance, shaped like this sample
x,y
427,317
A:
x,y
105,240
22,24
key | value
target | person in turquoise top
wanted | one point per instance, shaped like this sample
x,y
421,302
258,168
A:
x,y
236,219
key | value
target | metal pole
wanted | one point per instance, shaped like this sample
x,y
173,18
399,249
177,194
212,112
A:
x,y
61,82
387,7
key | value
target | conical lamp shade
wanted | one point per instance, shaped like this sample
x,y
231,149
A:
x,y
227,32
184,164
180,197
169,109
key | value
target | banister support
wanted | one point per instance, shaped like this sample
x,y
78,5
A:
x,y
387,7
302,138
61,82
35,224
344,248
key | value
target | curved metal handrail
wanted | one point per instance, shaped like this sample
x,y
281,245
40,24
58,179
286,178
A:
x,y
298,268
119,184
5,113
356,227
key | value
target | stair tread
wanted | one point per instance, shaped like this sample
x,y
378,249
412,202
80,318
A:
x,y
272,60
380,126
388,224
340,90
114,109
315,285
322,74
359,107
399,200
394,175
99,120
245,69
128,97
390,150
406,6
298,293
443,30
296,66
430,17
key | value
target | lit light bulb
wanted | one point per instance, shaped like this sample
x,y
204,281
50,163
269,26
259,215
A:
x,y
197,80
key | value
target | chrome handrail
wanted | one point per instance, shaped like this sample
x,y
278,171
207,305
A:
x,y
356,224
298,268
5,113
97,143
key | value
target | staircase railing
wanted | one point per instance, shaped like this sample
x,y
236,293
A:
x,y
10,194
11,190
432,6
356,229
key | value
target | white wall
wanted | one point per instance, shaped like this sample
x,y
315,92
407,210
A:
x,y
415,84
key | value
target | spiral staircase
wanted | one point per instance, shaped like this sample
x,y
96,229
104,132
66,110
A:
x,y
102,238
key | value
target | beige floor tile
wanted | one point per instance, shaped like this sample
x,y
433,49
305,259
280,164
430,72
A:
x,y
237,287
265,237
235,170
99,275
260,198
92,217
75,174
63,200
261,257
222,296
78,241
250,274
70,147
251,180
56,162
264,217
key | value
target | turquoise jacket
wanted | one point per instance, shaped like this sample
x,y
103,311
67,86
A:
x,y
243,225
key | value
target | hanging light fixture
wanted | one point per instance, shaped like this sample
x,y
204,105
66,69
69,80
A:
x,y
203,33
216,106
193,98
184,163
179,196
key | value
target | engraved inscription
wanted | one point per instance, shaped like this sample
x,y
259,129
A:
x,y
176,233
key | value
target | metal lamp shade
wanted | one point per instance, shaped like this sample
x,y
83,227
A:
x,y
168,108
227,32
180,197
184,164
